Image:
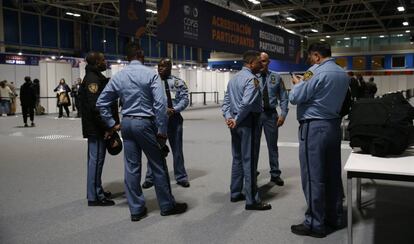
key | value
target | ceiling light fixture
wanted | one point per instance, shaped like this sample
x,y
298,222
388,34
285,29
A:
x,y
405,23
347,38
290,19
363,37
151,11
322,40
271,13
381,36
250,15
314,30
254,1
401,9
328,36
20,53
70,13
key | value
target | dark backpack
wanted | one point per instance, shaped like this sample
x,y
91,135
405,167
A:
x,y
347,103
381,126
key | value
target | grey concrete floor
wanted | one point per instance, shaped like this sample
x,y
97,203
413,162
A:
x,y
43,178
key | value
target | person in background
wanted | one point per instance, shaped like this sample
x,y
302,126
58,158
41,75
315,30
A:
x,y
371,88
5,98
28,100
354,85
362,85
62,95
75,94
13,98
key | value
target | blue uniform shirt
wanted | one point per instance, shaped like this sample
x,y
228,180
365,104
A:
x,y
277,91
141,93
321,94
242,96
179,93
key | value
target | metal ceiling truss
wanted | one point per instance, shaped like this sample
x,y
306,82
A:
x,y
346,16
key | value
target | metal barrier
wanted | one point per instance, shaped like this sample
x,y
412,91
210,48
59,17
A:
x,y
216,97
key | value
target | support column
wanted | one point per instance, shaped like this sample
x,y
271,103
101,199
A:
x,y
2,46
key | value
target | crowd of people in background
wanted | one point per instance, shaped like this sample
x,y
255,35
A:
x,y
30,98
360,88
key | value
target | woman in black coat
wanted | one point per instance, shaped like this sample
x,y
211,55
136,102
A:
x,y
63,99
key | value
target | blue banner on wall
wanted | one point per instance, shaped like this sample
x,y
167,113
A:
x,y
202,24
132,17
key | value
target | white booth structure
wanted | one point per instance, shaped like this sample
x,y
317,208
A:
x,y
50,74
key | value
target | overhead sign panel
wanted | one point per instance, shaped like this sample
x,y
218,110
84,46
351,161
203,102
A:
x,y
202,24
132,17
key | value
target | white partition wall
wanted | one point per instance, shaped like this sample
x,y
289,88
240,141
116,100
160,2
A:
x,y
115,68
82,66
16,73
50,74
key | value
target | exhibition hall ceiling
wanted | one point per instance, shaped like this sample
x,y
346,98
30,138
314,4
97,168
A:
x,y
312,18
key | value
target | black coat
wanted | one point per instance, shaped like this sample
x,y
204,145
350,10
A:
x,y
92,86
28,95
66,92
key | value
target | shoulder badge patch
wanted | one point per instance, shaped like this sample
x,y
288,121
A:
x,y
256,82
93,88
273,79
176,83
308,74
185,85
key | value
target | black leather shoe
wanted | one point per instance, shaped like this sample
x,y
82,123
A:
x,y
259,206
277,180
25,125
302,230
185,184
104,202
138,217
147,185
179,208
32,124
241,197
107,194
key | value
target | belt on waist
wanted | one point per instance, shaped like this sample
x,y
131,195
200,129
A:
x,y
310,120
139,117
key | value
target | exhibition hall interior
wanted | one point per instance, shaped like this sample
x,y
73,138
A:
x,y
207,121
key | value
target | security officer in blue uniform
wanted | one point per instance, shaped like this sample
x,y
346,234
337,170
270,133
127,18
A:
x,y
177,99
144,129
241,110
319,96
93,127
273,90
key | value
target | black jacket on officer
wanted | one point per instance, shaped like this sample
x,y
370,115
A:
x,y
93,84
